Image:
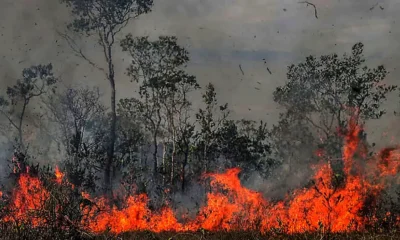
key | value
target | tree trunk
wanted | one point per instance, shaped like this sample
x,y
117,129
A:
x,y
164,170
20,133
155,155
185,161
205,158
173,159
110,152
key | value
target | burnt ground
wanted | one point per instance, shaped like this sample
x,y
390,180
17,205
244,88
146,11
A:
x,y
22,233
252,236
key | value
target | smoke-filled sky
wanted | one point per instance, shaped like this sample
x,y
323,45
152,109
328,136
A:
x,y
220,35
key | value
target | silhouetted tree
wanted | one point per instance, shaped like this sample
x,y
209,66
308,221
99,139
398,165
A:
x,y
164,86
104,20
322,94
131,137
75,111
210,119
35,82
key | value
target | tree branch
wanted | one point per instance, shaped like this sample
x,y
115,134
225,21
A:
x,y
9,119
78,51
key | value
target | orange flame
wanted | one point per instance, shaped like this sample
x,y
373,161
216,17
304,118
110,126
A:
x,y
28,199
59,175
331,204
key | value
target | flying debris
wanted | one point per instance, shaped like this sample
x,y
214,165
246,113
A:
x,y
265,62
313,5
240,67
376,4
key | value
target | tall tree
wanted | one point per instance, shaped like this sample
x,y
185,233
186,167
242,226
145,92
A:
x,y
164,85
35,82
105,19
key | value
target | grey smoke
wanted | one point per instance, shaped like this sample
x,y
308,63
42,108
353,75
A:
x,y
220,35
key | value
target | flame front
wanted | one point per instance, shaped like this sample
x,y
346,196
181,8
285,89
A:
x,y
28,199
326,206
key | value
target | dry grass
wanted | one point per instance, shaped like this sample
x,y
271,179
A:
x,y
53,234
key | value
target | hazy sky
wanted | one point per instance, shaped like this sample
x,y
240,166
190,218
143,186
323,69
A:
x,y
220,35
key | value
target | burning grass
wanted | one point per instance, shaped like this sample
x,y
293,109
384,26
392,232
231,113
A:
x,y
254,235
44,234
329,208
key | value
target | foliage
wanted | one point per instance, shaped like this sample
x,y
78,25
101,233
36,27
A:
x,y
164,87
210,120
334,88
36,81
320,96
77,114
105,17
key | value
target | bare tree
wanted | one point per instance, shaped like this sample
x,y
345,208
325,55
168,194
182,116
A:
x,y
105,19
75,112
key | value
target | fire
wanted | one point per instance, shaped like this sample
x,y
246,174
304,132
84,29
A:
x,y
59,175
28,199
332,204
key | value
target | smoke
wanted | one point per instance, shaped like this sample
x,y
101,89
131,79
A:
x,y
5,153
220,35
223,29
189,202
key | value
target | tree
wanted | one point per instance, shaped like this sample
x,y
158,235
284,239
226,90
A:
x,y
35,82
159,67
322,94
185,141
105,19
245,144
131,137
210,119
325,92
75,111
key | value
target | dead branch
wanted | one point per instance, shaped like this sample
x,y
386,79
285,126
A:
x,y
78,51
311,4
